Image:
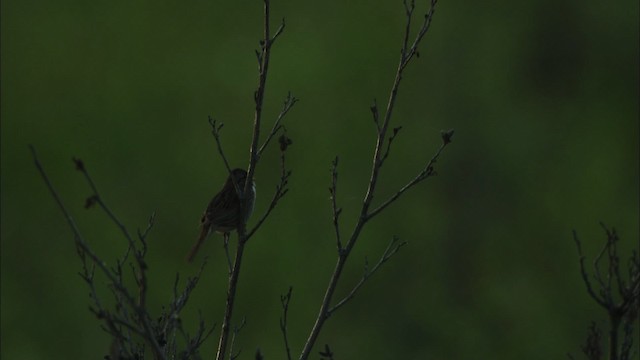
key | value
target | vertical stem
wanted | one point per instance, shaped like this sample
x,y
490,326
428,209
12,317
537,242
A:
x,y
253,160
375,167
614,320
231,294
324,314
324,309
259,96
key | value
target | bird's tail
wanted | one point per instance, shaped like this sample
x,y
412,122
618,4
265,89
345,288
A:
x,y
194,250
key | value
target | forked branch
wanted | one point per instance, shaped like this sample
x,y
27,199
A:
x,y
129,320
333,190
622,304
380,154
263,56
284,301
391,250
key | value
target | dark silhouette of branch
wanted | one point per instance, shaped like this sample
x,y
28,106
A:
x,y
289,101
396,130
375,114
281,188
129,320
215,131
226,251
424,174
379,156
284,301
263,56
236,331
194,342
622,308
592,347
326,353
391,250
333,190
114,321
408,53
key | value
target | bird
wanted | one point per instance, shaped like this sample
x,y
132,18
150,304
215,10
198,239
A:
x,y
223,213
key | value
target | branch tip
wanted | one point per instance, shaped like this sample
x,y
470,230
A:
x,y
446,136
285,142
79,164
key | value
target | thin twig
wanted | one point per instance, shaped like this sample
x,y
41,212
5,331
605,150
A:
x,y
428,17
243,236
376,115
284,301
585,275
231,293
281,188
326,353
215,130
117,285
619,311
289,102
391,250
426,172
139,272
396,130
336,211
382,125
226,251
614,259
194,343
236,331
180,300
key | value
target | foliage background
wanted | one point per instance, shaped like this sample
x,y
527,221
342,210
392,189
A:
x,y
543,97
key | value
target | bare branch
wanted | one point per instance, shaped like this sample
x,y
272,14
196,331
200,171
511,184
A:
x,y
393,136
605,287
226,251
263,67
378,158
620,311
391,250
231,293
333,190
180,300
254,155
215,130
408,9
374,112
139,272
143,235
97,198
326,353
281,189
614,260
593,346
194,343
284,300
585,275
236,331
425,173
278,32
115,280
407,55
405,58
289,102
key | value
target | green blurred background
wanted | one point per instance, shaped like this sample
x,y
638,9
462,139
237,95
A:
x,y
543,97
